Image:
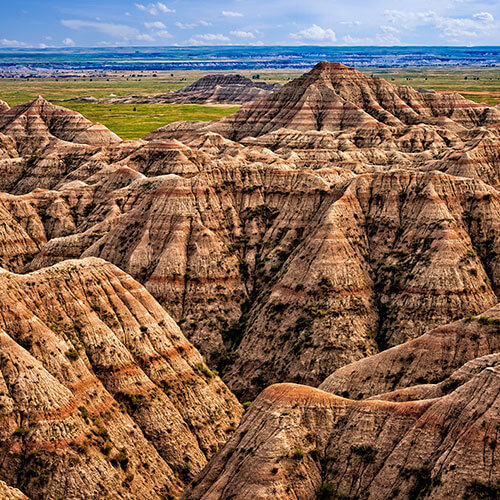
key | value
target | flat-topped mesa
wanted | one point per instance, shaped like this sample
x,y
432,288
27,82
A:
x,y
38,124
210,81
336,97
218,88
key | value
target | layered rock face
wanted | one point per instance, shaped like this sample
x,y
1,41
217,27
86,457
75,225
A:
x,y
38,124
3,106
336,97
102,393
210,89
331,245
427,441
330,276
325,232
9,493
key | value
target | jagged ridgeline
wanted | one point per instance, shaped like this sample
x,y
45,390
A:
x,y
322,235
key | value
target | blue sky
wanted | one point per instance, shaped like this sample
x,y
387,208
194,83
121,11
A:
x,y
36,23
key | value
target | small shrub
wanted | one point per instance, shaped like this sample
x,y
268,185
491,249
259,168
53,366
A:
x,y
365,451
298,454
72,354
325,491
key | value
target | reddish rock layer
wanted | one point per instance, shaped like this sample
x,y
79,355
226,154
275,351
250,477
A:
x,y
102,393
433,436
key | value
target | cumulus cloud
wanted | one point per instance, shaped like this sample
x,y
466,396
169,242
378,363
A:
x,y
155,24
190,26
484,16
229,13
207,39
112,29
315,33
163,34
145,38
350,40
68,42
154,8
242,34
452,28
4,42
185,26
213,37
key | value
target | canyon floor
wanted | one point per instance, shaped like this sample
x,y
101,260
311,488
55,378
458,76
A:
x,y
298,300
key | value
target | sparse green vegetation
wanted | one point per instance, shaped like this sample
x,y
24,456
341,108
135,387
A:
x,y
365,452
325,491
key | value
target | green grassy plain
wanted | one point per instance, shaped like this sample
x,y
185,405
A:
x,y
133,121
477,84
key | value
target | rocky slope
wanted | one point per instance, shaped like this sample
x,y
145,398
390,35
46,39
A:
x,y
331,275
210,89
38,125
335,97
332,244
8,493
3,106
101,391
324,232
300,442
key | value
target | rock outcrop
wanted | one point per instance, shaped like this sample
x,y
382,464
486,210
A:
x,y
335,97
39,124
323,232
3,106
433,441
210,89
101,391
8,493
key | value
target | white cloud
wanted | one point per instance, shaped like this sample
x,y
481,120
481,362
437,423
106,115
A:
x,y
154,8
155,24
115,30
68,42
229,13
455,29
214,37
4,42
350,40
242,34
315,33
145,38
389,29
190,26
127,14
351,23
163,34
185,26
207,39
484,16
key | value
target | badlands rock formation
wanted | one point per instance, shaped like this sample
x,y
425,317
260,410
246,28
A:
x,y
9,493
428,441
3,106
322,235
210,89
101,392
331,244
